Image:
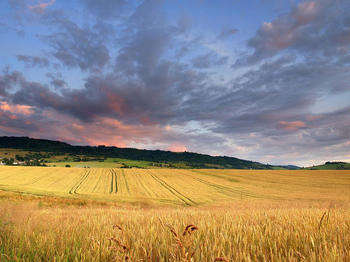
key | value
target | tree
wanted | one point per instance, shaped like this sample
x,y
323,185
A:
x,y
19,158
8,161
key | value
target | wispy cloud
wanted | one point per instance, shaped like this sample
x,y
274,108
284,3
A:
x,y
40,6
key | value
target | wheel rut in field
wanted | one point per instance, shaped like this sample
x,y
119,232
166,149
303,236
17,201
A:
x,y
188,201
97,183
83,178
229,190
221,176
141,181
126,182
114,182
56,181
224,190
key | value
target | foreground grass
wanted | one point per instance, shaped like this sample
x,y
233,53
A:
x,y
77,214
55,229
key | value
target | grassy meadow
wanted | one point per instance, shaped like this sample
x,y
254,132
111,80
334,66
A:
x,y
111,214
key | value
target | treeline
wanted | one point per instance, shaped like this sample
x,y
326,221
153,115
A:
x,y
335,165
192,159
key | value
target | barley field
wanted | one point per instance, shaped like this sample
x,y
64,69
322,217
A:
x,y
178,187
77,214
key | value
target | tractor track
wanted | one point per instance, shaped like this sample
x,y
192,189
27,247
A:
x,y
183,198
224,190
56,181
228,190
126,182
83,178
114,182
97,183
148,192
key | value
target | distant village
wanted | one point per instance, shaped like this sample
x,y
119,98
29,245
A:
x,y
27,160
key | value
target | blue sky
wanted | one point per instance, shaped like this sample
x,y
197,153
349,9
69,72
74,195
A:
x,y
260,80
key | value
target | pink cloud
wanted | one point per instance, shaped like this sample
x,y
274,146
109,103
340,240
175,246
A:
x,y
107,131
177,148
313,117
11,130
16,109
306,12
115,102
77,126
291,126
282,32
110,141
41,6
102,131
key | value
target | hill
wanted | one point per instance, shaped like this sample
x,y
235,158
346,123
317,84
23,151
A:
x,y
56,151
331,166
288,167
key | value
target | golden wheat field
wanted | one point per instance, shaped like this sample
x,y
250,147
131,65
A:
x,y
72,214
178,187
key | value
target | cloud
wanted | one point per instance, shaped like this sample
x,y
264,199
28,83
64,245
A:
x,y
177,148
291,126
209,60
32,61
57,81
78,47
105,9
16,109
8,80
145,81
310,28
227,33
41,6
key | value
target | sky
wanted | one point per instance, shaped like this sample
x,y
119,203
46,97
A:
x,y
264,80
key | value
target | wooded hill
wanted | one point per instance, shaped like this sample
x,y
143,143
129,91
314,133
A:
x,y
193,160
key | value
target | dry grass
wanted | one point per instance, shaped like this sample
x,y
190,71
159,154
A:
x,y
251,230
173,215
